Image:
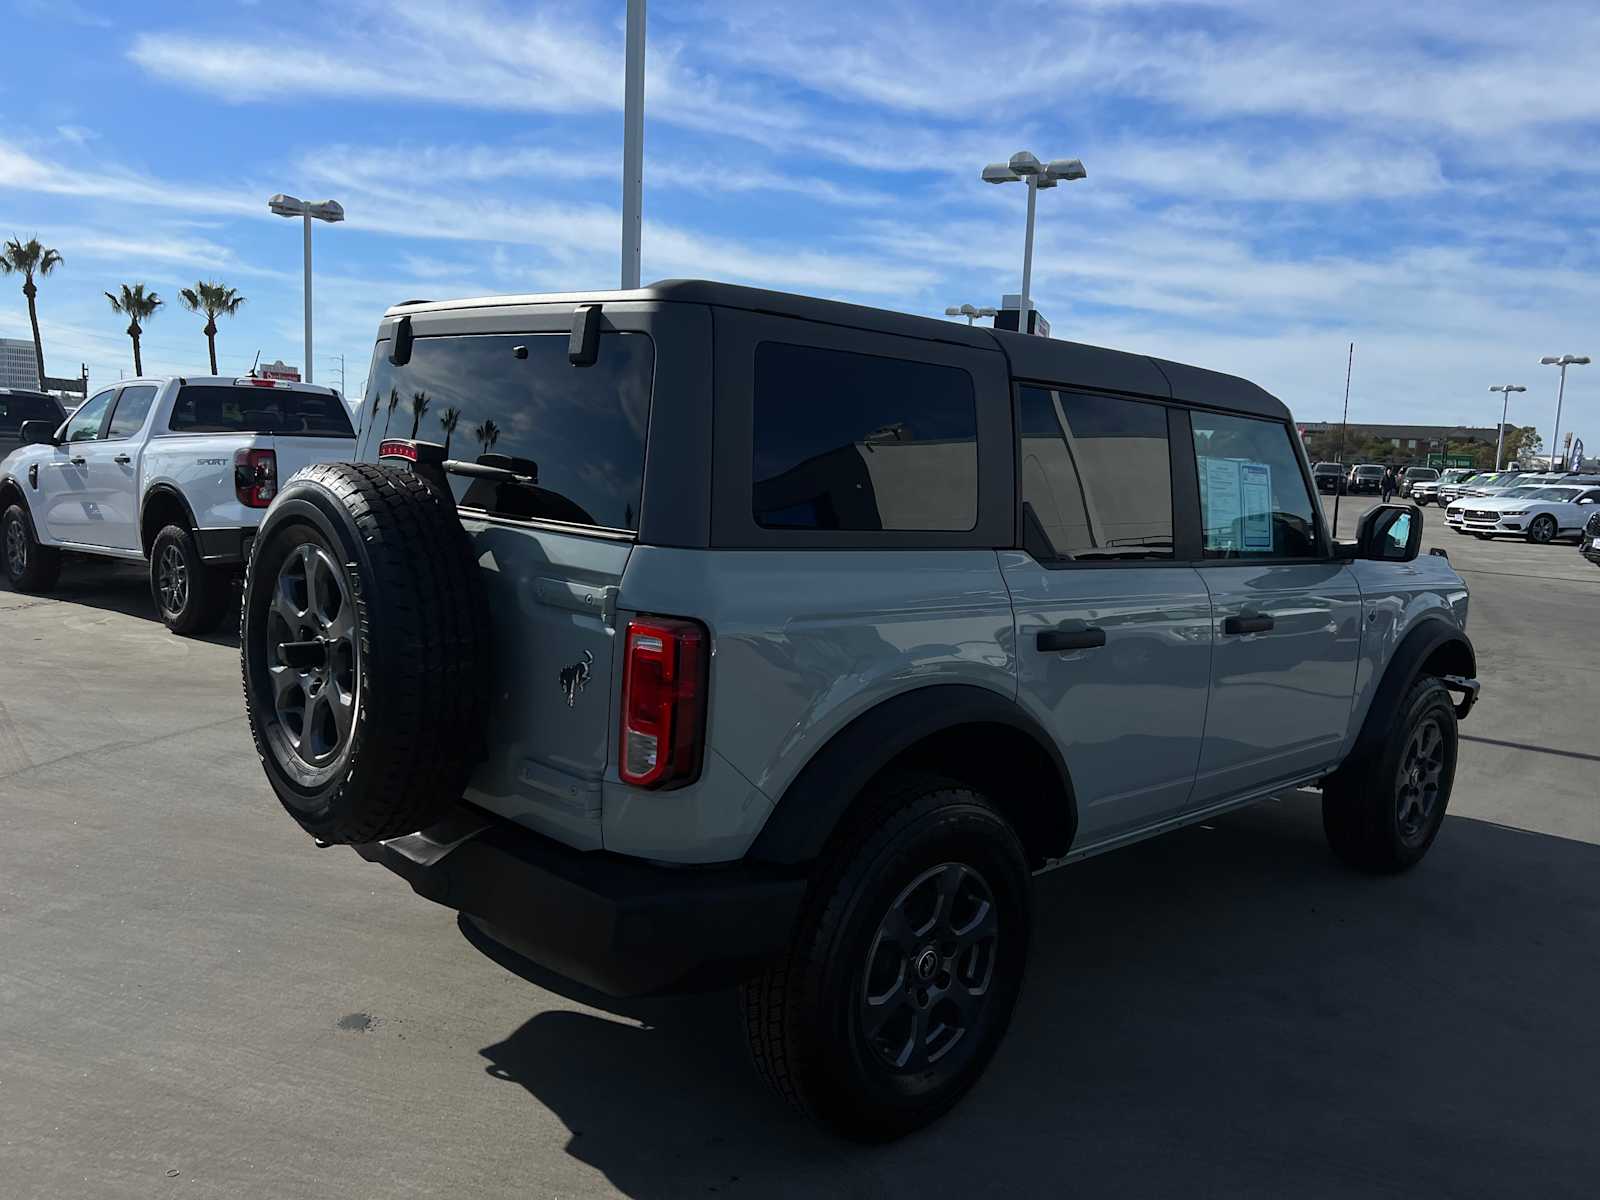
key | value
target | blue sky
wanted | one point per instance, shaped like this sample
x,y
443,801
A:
x,y
1268,180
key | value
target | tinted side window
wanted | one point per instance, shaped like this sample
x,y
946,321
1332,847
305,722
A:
x,y
133,406
85,423
574,435
1253,499
17,407
1095,476
223,408
861,442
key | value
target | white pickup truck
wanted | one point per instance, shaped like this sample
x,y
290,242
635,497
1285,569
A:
x,y
176,472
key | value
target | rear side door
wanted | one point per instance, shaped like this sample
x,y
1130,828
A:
x,y
111,467
1286,616
69,505
500,390
1113,632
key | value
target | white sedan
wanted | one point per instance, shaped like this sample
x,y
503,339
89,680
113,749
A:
x,y
1540,514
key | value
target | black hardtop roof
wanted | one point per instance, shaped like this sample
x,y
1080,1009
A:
x,y
1044,359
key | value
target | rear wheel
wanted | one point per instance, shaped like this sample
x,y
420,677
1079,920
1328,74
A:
x,y
1542,529
29,566
190,595
1382,812
905,965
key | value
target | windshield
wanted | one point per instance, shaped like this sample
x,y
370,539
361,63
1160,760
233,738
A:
x,y
1455,476
1421,473
1369,470
1522,491
1558,494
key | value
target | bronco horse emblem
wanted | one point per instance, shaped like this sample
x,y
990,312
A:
x,y
576,677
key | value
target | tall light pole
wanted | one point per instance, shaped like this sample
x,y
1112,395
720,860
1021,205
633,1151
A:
x,y
323,210
970,312
1565,361
1505,404
633,144
1025,167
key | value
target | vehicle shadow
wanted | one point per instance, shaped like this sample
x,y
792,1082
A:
x,y
124,588
1223,1011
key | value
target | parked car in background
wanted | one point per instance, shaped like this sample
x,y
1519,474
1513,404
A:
x,y
762,647
18,405
1449,486
1329,477
1427,491
1540,513
176,472
1589,543
1368,477
1414,476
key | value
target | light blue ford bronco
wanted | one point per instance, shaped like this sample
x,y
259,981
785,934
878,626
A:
x,y
699,634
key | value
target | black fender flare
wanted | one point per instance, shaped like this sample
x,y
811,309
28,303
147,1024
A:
x,y
165,490
1426,638
814,803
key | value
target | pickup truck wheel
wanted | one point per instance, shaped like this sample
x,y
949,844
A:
x,y
190,595
361,645
1382,814
905,965
29,566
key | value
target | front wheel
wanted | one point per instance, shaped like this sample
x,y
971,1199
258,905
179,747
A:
x,y
905,965
1542,530
1381,812
29,566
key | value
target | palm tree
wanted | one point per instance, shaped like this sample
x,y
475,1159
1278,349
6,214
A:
x,y
215,301
29,259
449,419
419,405
488,434
394,403
136,303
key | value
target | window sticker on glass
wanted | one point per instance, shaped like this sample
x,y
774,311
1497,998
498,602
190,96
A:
x,y
1223,504
1255,497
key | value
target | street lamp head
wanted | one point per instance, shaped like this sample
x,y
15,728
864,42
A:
x,y
987,311
968,310
287,206
1000,173
1578,359
1065,168
1025,164
952,310
326,210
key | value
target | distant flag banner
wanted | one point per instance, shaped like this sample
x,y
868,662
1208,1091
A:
x,y
1575,463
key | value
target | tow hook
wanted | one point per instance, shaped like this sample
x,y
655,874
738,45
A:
x,y
1469,693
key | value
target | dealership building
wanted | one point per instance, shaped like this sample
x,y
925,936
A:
x,y
1411,437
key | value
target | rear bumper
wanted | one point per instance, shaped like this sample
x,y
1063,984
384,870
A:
x,y
622,926
224,546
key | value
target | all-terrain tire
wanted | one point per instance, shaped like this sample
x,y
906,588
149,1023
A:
x,y
1371,817
406,638
190,595
804,1015
29,566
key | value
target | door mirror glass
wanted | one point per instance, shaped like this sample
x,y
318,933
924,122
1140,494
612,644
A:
x,y
1390,533
38,433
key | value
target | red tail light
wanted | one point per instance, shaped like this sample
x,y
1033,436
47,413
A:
x,y
255,477
663,702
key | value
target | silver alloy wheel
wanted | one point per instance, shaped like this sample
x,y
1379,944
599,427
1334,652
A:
x,y
1417,782
312,655
930,967
16,549
1543,529
172,579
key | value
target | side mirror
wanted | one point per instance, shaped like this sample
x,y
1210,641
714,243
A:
x,y
39,433
1390,533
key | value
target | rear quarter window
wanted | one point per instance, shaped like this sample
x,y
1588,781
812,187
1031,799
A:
x,y
206,408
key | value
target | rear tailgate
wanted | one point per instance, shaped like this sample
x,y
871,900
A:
x,y
295,453
552,536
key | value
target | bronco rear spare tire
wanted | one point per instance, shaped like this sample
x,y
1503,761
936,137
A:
x,y
362,639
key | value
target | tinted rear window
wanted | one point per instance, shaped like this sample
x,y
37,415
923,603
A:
x,y
207,408
575,434
17,407
862,442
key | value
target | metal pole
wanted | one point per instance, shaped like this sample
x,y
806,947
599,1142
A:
x,y
1505,404
1555,438
633,145
307,219
1344,427
1024,323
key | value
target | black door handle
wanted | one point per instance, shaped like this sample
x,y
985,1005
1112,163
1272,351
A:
x,y
80,462
1250,623
123,459
1081,637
